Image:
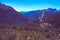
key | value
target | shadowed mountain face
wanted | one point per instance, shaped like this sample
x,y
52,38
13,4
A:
x,y
54,19
11,17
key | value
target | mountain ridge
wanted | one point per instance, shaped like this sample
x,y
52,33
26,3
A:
x,y
34,15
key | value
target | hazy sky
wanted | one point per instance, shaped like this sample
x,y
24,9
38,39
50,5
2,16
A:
x,y
27,5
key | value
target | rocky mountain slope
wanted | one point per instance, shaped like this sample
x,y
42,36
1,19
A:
x,y
11,17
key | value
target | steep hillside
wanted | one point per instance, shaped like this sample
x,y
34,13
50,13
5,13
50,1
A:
x,y
54,19
11,18
8,16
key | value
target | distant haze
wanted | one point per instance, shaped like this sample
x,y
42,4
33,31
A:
x,y
29,5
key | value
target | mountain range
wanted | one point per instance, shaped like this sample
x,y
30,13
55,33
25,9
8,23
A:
x,y
45,22
34,15
8,16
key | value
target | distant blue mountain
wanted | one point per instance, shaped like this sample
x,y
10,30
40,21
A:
x,y
34,15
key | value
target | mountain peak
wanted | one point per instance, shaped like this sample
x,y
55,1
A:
x,y
5,7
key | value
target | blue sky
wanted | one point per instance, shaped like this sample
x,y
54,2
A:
x,y
29,5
